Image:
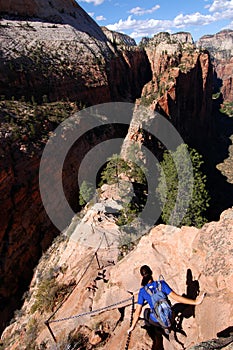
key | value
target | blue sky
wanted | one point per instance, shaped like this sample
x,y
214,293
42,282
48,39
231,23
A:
x,y
140,18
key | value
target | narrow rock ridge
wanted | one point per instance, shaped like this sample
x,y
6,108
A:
x,y
190,259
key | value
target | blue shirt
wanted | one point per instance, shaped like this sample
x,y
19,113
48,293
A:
x,y
143,296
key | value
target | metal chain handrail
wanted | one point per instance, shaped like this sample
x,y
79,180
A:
x,y
91,312
82,275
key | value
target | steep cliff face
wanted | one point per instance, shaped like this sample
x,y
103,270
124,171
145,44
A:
x,y
181,85
220,46
25,229
53,11
191,261
54,48
118,39
59,61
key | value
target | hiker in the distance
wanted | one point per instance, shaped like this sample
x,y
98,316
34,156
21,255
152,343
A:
x,y
149,286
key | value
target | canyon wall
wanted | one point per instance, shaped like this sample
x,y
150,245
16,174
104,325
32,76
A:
x,y
220,46
181,86
26,230
67,63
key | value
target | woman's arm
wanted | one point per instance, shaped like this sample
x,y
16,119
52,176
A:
x,y
135,317
188,301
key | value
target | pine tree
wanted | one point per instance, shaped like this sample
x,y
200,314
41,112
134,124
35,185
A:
x,y
117,166
114,168
171,179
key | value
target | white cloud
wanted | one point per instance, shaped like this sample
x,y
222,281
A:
x,y
221,5
100,18
91,14
141,27
95,2
193,19
129,23
151,26
141,11
222,9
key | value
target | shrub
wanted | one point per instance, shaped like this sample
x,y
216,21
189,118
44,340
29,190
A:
x,y
86,192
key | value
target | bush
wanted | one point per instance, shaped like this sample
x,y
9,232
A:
x,y
86,192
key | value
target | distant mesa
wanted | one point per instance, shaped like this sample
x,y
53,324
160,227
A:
x,y
118,38
219,34
165,37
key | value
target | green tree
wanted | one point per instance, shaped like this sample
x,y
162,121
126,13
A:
x,y
116,167
170,180
86,192
113,170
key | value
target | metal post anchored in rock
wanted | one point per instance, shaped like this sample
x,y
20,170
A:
x,y
131,320
50,331
96,255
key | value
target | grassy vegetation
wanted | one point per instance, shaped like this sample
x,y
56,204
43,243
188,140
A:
x,y
147,100
216,95
49,293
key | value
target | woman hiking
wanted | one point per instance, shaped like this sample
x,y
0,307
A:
x,y
150,286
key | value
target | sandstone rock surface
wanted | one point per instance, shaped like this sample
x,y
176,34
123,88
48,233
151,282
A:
x,y
55,48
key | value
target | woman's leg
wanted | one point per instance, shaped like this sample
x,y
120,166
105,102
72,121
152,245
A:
x,y
148,321
147,317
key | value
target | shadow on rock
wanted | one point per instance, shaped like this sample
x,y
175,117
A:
x,y
225,337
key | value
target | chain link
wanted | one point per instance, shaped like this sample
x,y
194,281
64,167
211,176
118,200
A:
x,y
91,312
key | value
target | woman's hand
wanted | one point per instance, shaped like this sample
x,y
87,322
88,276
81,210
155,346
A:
x,y
200,298
130,329
135,317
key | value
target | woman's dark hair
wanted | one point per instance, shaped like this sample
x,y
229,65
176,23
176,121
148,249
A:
x,y
146,273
